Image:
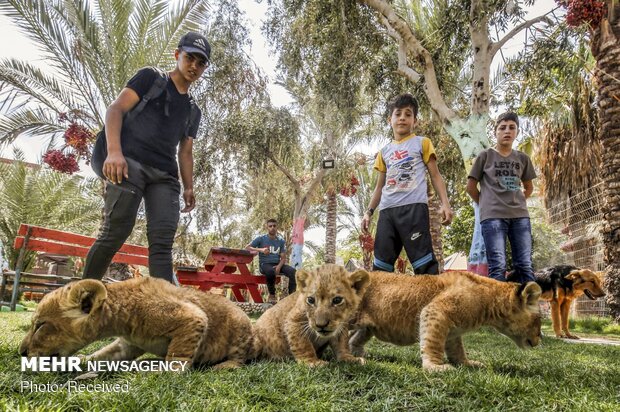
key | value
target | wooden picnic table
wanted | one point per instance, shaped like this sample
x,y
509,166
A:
x,y
225,267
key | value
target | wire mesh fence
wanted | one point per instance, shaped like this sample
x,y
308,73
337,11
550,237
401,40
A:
x,y
579,219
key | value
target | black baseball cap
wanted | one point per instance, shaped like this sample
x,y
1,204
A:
x,y
193,42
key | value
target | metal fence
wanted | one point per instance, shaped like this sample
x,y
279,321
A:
x,y
579,219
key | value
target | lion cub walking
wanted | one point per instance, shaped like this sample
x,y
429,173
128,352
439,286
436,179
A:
x,y
437,310
316,316
147,315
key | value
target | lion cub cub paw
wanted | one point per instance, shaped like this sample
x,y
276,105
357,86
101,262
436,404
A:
x,y
314,363
438,368
227,365
354,359
474,364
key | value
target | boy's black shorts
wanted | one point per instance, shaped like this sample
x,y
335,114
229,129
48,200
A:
x,y
405,226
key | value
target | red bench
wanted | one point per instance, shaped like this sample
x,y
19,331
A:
x,y
225,268
41,239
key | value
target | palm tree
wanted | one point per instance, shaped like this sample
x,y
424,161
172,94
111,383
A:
x,y
29,194
340,182
92,48
605,45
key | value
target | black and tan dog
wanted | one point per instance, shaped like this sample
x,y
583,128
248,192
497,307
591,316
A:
x,y
561,285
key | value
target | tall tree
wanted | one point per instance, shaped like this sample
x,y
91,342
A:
x,y
271,136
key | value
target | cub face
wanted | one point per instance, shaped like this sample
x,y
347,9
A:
x,y
331,295
60,326
522,324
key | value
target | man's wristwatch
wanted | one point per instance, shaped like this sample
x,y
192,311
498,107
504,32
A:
x,y
370,211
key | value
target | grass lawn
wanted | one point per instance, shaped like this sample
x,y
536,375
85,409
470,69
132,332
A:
x,y
558,376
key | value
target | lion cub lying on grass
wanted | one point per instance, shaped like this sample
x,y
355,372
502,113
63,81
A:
x,y
147,315
437,310
317,315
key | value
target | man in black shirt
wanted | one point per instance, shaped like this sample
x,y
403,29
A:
x,y
141,160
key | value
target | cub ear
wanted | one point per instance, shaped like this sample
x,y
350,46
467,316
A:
x,y
360,279
303,278
530,295
86,295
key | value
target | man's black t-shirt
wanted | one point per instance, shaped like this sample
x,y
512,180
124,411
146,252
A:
x,y
152,137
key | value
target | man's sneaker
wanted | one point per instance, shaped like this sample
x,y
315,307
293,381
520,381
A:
x,y
272,299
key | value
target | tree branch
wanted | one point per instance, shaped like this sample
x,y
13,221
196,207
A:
x,y
316,181
291,178
495,46
403,66
394,22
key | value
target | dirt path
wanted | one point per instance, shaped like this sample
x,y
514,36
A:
x,y
596,341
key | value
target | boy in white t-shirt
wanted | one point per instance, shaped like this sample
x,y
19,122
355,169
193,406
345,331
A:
x,y
401,193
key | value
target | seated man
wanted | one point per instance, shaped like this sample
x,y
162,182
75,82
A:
x,y
271,251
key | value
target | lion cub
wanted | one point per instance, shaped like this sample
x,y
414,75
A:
x,y
317,315
147,315
437,310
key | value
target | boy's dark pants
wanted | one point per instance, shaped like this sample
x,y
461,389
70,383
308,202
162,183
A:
x,y
268,269
160,191
405,226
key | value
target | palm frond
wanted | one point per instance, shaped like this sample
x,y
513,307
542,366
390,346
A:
x,y
148,15
188,15
33,121
32,81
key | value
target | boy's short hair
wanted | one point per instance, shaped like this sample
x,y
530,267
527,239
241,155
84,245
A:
x,y
272,221
401,101
504,117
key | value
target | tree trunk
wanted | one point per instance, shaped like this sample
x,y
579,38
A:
x,y
297,249
330,226
606,50
302,203
471,136
435,226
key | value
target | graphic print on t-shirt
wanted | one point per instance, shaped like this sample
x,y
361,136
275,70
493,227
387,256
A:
x,y
508,175
400,176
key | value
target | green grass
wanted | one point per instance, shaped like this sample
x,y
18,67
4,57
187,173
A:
x,y
558,376
589,327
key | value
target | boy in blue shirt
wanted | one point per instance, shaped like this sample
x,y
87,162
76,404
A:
x,y
401,193
271,250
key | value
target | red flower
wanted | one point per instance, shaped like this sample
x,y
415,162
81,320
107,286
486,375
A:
x,y
79,138
580,12
61,162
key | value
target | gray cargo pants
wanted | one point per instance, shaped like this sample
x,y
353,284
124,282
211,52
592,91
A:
x,y
160,191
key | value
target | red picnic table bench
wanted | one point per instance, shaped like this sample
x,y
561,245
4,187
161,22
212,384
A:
x,y
42,239
225,267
